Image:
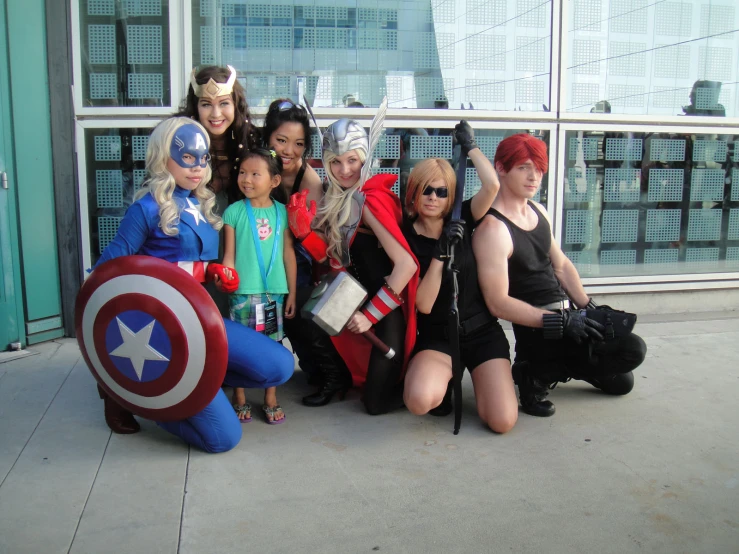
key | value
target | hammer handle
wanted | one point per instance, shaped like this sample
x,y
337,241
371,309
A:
x,y
388,352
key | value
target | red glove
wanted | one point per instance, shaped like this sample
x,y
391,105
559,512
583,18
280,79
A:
x,y
300,215
226,284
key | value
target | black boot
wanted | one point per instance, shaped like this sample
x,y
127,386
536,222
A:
x,y
119,419
332,371
532,392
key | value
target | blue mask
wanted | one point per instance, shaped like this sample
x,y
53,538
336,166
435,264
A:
x,y
189,139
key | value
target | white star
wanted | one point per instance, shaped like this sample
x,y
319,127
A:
x,y
195,211
136,347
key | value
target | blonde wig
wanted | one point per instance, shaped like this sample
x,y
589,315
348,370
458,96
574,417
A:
x,y
161,185
336,207
423,174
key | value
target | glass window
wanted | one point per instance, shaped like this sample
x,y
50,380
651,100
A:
x,y
476,54
651,203
671,57
400,149
125,53
115,171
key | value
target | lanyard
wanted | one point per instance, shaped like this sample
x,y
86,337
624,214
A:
x,y
258,247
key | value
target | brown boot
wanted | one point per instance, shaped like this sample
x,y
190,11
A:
x,y
119,419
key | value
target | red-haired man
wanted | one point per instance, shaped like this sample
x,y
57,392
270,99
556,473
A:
x,y
526,279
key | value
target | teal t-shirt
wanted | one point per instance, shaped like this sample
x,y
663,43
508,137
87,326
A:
x,y
247,266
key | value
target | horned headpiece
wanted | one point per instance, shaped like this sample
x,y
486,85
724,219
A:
x,y
212,89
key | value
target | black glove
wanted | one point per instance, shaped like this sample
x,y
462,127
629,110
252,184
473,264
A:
x,y
573,324
465,137
453,232
591,305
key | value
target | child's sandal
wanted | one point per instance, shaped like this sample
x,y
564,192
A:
x,y
272,412
243,412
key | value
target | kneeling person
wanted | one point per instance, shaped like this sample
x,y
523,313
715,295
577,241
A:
x,y
526,278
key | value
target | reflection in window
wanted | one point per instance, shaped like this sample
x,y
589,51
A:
x,y
476,54
125,53
651,203
672,57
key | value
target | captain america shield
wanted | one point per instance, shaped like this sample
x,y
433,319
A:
x,y
152,337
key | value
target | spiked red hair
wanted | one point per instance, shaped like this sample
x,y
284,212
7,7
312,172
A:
x,y
519,148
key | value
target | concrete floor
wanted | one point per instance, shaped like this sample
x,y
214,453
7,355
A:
x,y
655,471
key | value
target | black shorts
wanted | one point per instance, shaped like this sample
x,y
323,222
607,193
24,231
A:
x,y
483,344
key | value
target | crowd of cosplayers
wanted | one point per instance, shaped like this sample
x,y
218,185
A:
x,y
391,296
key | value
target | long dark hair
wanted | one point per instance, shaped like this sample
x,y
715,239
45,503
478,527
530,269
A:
x,y
280,113
241,135
274,166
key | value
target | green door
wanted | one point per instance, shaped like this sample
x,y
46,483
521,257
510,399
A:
x,y
11,306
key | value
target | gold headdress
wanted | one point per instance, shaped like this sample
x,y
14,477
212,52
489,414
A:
x,y
211,89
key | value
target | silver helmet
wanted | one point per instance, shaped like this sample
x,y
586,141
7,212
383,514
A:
x,y
344,135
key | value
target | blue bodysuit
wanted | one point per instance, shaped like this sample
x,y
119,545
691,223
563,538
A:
x,y
254,360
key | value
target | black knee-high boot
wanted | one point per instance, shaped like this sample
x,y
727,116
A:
x,y
332,371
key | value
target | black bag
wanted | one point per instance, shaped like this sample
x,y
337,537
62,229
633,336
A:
x,y
617,322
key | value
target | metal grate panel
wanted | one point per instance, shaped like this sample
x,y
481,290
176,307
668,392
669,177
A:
x,y
589,147
663,225
673,19
704,224
665,185
624,149
138,179
144,44
107,228
622,185
137,8
109,188
472,183
581,188
431,147
628,16
661,256
667,150
578,226
733,224
488,146
619,226
388,147
627,59
618,257
107,148
710,151
140,143
702,256
145,85
100,7
707,184
485,52
103,86
582,260
732,256
531,13
530,54
101,44
583,51
735,185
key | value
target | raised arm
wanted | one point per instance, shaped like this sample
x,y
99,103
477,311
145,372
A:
x,y
483,199
492,245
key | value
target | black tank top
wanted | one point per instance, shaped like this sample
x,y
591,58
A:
x,y
530,273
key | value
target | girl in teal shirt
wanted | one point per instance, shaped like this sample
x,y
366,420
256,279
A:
x,y
258,243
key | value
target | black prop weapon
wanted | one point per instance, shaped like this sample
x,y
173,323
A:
x,y
453,270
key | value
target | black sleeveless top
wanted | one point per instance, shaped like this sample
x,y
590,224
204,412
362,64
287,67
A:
x,y
470,301
530,273
370,264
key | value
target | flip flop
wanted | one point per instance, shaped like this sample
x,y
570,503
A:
x,y
271,411
242,409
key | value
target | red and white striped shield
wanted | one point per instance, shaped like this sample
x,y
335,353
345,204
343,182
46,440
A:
x,y
152,337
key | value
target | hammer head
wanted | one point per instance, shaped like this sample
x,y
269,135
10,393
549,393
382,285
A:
x,y
333,302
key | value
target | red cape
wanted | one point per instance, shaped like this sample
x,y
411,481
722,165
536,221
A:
x,y
385,206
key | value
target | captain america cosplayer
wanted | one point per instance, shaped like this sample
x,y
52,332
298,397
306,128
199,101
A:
x,y
174,221
357,228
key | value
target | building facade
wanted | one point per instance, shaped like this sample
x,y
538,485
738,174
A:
x,y
637,101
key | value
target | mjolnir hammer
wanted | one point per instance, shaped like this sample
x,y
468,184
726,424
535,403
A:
x,y
333,302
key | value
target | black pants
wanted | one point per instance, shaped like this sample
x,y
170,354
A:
x,y
383,390
559,360
299,330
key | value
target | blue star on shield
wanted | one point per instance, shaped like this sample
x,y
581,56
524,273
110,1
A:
x,y
138,346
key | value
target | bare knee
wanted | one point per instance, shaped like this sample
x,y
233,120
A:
x,y
501,421
420,402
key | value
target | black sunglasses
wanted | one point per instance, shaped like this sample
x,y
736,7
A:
x,y
441,192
